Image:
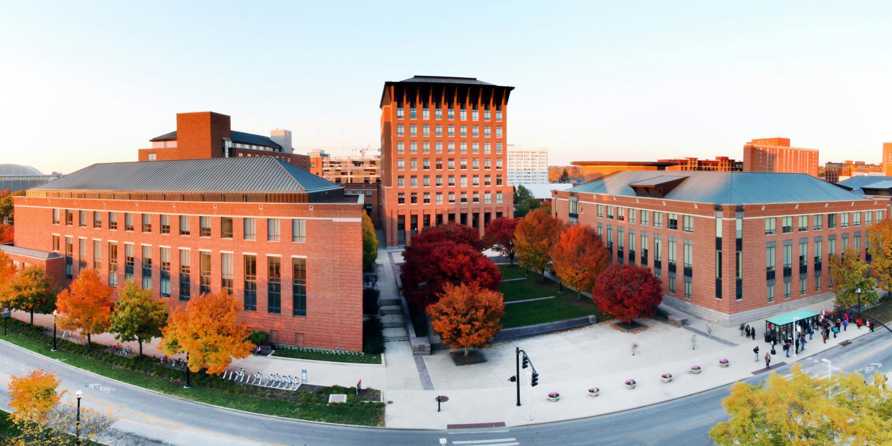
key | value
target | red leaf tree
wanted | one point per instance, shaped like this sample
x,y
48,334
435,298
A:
x,y
534,236
578,257
627,292
452,232
429,267
467,316
500,236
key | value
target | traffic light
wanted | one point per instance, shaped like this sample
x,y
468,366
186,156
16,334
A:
x,y
512,379
526,361
535,381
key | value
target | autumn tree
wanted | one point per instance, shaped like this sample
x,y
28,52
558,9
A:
x,y
879,245
7,234
429,267
579,257
369,243
32,292
208,331
534,237
85,305
524,201
627,292
797,410
852,282
7,273
137,315
452,232
6,207
499,235
467,316
33,396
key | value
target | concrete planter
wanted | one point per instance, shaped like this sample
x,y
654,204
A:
x,y
593,392
554,397
631,384
724,363
666,378
695,370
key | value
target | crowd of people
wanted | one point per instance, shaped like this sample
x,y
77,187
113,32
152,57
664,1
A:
x,y
793,338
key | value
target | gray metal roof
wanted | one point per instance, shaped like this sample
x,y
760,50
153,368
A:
x,y
18,170
236,137
870,181
233,175
445,80
33,253
729,188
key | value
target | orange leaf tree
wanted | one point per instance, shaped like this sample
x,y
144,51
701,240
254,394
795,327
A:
x,y
467,316
578,257
208,331
534,237
7,273
880,248
32,292
33,396
85,305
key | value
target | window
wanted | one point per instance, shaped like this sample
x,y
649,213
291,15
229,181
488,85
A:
x,y
438,113
413,114
831,220
770,291
450,113
475,115
688,223
250,282
818,221
856,218
463,115
165,224
129,261
69,257
204,226
128,221
787,224
770,225
97,255
82,218
868,218
803,223
56,216
226,227
81,254
658,219
644,217
146,223
498,132
299,230
112,264
425,114
226,272
69,217
146,267
97,219
184,225
299,286
56,243
204,272
165,271
769,258
881,215
185,279
844,220
688,254
272,230
274,285
400,147
249,229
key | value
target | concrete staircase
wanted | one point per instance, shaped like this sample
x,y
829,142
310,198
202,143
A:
x,y
392,320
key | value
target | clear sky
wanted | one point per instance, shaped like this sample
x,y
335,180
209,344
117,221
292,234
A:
x,y
85,82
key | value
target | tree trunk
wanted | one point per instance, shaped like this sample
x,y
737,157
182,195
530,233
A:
x,y
466,351
139,341
89,343
32,317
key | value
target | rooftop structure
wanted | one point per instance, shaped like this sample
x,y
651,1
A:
x,y
777,155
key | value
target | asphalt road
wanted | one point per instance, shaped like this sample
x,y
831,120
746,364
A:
x,y
684,421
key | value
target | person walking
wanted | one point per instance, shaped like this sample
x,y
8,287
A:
x,y
787,348
845,323
767,361
756,352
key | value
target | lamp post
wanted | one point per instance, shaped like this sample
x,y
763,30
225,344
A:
x,y
522,360
6,316
55,313
77,423
188,375
858,295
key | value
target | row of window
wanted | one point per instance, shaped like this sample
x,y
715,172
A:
x,y
449,113
487,132
452,197
841,219
184,224
450,180
450,164
184,274
450,147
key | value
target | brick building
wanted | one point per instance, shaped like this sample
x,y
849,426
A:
x,y
728,246
887,159
777,155
286,243
836,172
203,135
443,154
360,175
591,170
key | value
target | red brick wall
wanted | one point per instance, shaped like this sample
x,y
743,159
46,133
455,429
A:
x,y
776,155
333,250
200,134
755,293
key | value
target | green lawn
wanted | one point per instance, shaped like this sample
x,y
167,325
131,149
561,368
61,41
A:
x,y
320,355
309,404
512,271
565,305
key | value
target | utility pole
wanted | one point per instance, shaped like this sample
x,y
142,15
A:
x,y
522,360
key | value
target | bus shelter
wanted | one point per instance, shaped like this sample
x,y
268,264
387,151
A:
x,y
784,325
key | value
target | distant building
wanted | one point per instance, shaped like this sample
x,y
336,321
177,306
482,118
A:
x,y
591,170
360,175
282,137
836,172
542,192
887,159
777,155
204,135
719,164
527,166
14,177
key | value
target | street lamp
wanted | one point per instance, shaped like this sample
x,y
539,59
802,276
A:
x,y
527,362
77,424
55,313
6,315
858,294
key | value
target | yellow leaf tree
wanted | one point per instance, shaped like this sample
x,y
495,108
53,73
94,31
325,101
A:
x,y
852,282
467,316
85,305
33,396
207,330
7,273
798,411
369,243
534,236
31,292
879,239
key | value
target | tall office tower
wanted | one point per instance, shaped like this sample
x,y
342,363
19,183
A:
x,y
527,166
282,137
776,155
443,154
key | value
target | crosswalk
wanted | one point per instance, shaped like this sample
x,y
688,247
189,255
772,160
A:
x,y
503,441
